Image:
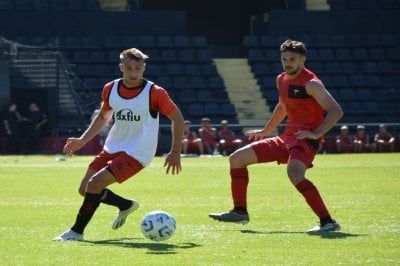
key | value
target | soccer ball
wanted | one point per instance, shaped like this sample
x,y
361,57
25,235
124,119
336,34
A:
x,y
158,225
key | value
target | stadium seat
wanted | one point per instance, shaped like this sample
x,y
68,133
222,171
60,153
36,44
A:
x,y
80,56
372,40
340,81
360,54
393,53
387,40
165,41
215,82
373,81
181,82
343,54
113,56
130,41
333,68
357,80
228,109
347,94
203,55
72,42
186,55
181,41
206,96
199,41
338,41
370,107
89,42
312,54
174,69
192,69
196,109
267,41
154,55
155,69
188,96
165,81
98,56
147,41
272,55
209,70
385,66
377,53
261,69
212,109
325,54
250,41
255,55
168,55
369,67
316,66
113,41
364,94
197,82
349,67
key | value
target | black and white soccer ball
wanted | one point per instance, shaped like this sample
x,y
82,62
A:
x,y
158,225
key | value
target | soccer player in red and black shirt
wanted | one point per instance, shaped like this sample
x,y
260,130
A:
x,y
311,112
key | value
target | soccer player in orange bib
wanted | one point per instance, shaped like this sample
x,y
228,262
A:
x,y
131,143
311,112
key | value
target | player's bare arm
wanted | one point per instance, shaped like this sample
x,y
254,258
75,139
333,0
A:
x,y
276,118
173,160
97,124
334,112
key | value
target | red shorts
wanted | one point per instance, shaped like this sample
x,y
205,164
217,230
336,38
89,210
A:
x,y
284,148
121,165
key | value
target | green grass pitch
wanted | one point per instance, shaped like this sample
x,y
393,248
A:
x,y
39,200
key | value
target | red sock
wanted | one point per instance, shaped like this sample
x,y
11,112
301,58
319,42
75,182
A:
x,y
239,182
313,198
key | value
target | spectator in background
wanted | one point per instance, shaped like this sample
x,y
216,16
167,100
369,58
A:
x,y
228,142
344,141
383,140
361,142
209,136
12,121
37,119
190,140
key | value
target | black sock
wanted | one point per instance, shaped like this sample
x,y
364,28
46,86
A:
x,y
89,206
108,197
241,210
324,221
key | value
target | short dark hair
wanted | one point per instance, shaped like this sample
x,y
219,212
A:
x,y
133,53
293,46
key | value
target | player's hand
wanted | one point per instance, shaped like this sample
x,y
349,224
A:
x,y
304,134
173,163
255,134
73,145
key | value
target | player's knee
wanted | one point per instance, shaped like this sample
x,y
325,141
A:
x,y
81,191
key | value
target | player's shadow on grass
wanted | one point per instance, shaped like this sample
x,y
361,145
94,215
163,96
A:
x,y
152,247
329,235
